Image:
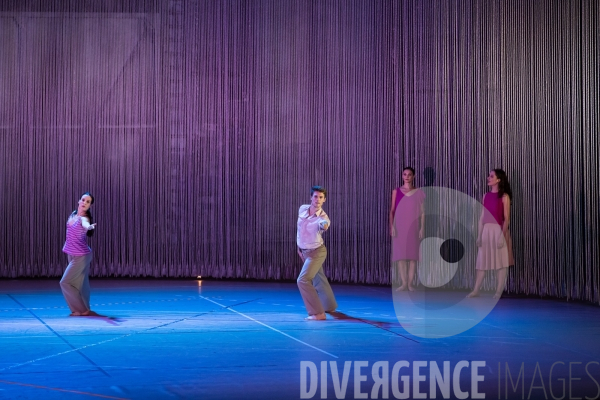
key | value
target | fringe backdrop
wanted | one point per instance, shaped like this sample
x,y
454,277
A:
x,y
200,126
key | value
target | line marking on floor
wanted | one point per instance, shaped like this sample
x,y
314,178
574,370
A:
x,y
61,338
101,342
242,303
96,304
62,390
268,326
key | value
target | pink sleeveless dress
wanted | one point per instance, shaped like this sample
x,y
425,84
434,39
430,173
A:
x,y
407,216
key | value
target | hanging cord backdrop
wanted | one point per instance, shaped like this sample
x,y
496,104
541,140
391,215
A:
x,y
200,126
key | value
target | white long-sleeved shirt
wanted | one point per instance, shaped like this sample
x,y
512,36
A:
x,y
310,227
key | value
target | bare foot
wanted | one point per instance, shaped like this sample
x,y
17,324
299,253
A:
x,y
401,289
411,288
473,294
75,314
316,317
497,295
89,313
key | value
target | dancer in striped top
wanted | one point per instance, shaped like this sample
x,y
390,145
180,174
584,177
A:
x,y
75,283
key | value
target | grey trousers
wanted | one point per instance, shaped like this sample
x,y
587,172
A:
x,y
75,283
313,284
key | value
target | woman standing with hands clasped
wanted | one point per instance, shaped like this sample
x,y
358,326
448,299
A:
x,y
493,240
408,228
75,283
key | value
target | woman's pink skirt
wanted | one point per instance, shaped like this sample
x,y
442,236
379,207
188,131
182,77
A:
x,y
490,257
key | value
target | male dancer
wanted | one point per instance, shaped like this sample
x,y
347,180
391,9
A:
x,y
312,282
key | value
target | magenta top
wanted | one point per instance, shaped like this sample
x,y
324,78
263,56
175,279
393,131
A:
x,y
494,205
76,244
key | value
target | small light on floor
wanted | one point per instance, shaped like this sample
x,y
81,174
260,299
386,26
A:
x,y
199,277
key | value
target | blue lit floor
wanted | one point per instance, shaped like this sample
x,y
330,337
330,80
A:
x,y
167,339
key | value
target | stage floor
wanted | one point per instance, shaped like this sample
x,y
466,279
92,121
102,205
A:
x,y
168,339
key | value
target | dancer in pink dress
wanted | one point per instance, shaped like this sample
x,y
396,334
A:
x,y
407,229
494,241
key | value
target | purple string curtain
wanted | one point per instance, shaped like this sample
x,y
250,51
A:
x,y
201,125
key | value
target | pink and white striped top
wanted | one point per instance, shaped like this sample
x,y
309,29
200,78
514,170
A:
x,y
76,244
